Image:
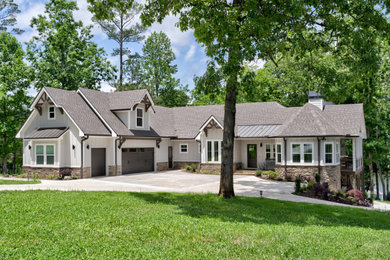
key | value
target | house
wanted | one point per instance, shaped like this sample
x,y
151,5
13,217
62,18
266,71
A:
x,y
90,133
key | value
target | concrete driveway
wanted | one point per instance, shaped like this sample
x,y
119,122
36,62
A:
x,y
179,181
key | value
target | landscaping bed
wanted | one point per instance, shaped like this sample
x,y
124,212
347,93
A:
x,y
121,225
321,191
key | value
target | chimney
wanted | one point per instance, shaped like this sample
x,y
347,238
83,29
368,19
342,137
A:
x,y
315,98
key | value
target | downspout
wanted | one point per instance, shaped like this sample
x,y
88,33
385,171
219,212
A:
x,y
319,155
82,155
116,156
285,154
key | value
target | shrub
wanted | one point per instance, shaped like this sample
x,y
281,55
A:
x,y
188,167
310,185
356,195
297,185
60,178
318,177
322,190
303,189
35,176
272,175
258,173
193,167
279,179
74,177
197,170
50,177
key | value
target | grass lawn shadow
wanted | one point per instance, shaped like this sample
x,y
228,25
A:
x,y
268,211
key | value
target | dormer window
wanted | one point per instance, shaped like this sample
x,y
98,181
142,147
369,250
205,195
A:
x,y
140,117
52,113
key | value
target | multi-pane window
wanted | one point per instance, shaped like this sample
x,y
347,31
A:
x,y
278,153
296,153
52,112
329,153
308,153
213,151
268,151
183,148
302,153
273,151
140,117
44,154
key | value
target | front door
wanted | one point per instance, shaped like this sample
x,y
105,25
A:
x,y
252,156
170,159
98,161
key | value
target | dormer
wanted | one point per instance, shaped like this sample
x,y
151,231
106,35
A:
x,y
133,108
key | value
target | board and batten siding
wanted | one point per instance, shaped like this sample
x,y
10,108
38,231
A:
x,y
133,114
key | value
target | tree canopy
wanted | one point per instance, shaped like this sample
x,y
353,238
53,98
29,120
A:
x,y
63,54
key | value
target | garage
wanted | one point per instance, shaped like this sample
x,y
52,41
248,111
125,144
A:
x,y
137,160
98,158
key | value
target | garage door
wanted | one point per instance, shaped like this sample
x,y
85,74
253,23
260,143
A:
x,y
98,161
137,160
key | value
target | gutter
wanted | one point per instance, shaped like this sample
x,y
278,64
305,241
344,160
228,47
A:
x,y
82,155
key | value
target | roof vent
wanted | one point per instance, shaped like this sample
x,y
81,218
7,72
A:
x,y
315,98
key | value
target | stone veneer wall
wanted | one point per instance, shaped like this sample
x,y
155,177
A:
x,y
162,166
182,165
216,167
111,170
329,174
44,172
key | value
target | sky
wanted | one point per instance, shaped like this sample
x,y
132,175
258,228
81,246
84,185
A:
x,y
190,56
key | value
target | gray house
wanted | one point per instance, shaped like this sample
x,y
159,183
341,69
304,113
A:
x,y
90,133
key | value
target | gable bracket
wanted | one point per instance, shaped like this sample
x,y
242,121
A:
x,y
158,141
122,140
39,108
61,110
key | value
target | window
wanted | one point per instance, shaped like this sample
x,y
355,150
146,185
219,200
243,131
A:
x,y
273,151
44,154
302,153
296,153
183,148
52,112
278,153
213,151
329,153
308,153
40,154
140,117
268,151
209,151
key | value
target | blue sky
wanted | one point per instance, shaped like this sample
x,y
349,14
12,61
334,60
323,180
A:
x,y
190,56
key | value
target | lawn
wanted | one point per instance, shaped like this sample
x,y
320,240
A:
x,y
11,182
55,224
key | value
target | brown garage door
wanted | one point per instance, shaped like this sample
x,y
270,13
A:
x,y
137,160
98,161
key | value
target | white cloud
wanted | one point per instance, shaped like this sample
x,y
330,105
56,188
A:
x,y
84,15
190,52
106,87
28,11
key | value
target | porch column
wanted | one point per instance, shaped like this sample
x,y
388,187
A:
x,y
285,154
319,155
354,154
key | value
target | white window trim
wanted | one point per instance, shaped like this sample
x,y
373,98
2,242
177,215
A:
x,y
270,150
333,153
44,155
136,117
181,146
302,153
276,153
48,113
213,151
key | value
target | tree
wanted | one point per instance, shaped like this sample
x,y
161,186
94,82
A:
x,y
133,72
118,24
13,99
243,30
63,55
8,12
158,71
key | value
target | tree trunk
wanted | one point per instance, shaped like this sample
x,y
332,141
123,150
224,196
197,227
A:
x,y
370,166
378,166
121,55
387,189
4,171
226,189
14,163
377,185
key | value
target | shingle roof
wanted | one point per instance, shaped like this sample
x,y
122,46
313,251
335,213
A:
x,y
307,121
252,119
78,110
47,133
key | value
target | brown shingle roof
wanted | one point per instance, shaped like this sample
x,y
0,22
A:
x,y
78,110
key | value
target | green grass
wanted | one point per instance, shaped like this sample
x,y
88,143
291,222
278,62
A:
x,y
11,182
55,224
